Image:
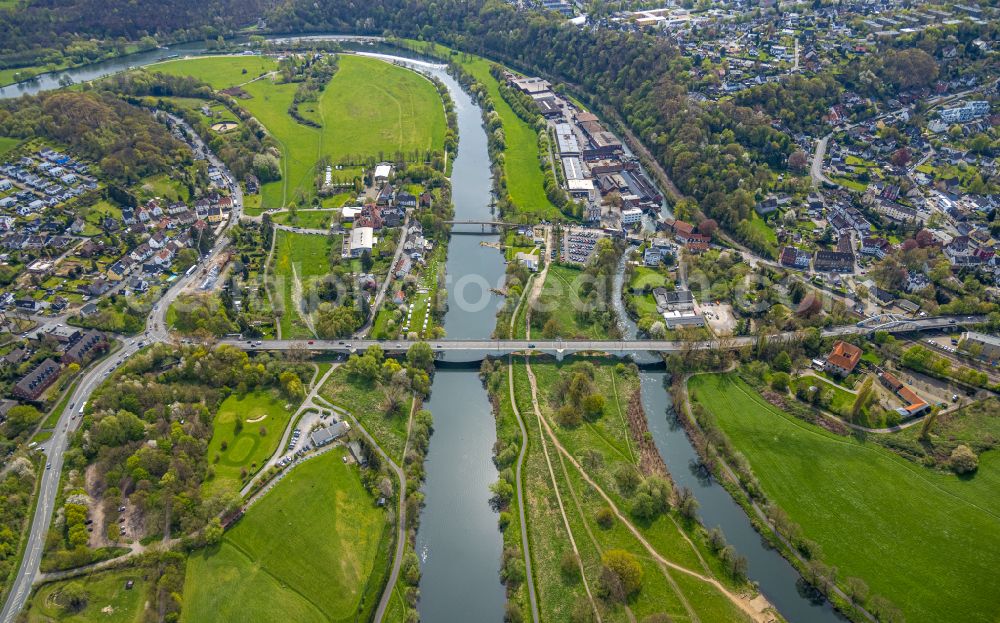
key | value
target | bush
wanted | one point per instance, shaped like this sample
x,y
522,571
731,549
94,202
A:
x,y
621,576
779,381
964,460
605,518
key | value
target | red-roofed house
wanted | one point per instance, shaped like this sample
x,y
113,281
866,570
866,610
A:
x,y
843,358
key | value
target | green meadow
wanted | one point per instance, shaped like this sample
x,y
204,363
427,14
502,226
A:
x,y
305,552
927,540
370,109
298,258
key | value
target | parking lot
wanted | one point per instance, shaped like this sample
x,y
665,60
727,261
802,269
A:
x,y
578,245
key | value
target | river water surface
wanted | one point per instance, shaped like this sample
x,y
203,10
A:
x,y
459,543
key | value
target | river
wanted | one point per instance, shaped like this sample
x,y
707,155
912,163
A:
x,y
459,543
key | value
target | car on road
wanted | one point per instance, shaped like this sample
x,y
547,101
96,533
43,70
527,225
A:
x,y
48,466
531,345
312,341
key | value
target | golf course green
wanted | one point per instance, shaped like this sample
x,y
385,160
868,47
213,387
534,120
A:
x,y
234,448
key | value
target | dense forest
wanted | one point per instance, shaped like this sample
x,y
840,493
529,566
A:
x,y
125,141
59,30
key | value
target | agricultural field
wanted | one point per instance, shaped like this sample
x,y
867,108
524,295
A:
x,y
400,111
107,599
924,539
559,495
245,433
307,551
297,259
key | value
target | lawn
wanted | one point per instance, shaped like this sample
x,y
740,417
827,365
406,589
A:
x,y
842,400
306,552
364,401
264,417
926,540
560,296
370,109
297,259
170,190
8,144
108,600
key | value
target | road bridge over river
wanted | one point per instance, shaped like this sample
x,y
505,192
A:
x,y
481,348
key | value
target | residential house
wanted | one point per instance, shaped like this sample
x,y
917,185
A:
x,y
87,345
875,247
834,262
843,358
37,381
795,258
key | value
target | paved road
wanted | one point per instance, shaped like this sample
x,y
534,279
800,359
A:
x,y
571,346
816,170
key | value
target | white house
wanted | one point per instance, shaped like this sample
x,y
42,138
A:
x,y
362,239
382,173
631,216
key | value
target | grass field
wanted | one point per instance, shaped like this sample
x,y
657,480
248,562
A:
x,y
370,109
7,144
264,419
926,540
525,181
221,72
680,596
364,401
310,219
108,600
560,296
304,553
297,259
